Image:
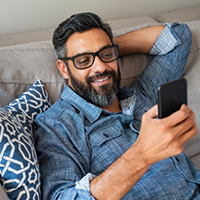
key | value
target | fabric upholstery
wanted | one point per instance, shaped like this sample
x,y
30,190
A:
x,y
183,15
28,37
3,195
21,65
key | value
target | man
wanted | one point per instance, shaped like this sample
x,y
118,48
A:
x,y
102,142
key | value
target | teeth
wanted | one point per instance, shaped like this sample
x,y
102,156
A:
x,y
101,79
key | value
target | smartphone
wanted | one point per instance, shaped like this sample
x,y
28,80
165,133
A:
x,y
171,96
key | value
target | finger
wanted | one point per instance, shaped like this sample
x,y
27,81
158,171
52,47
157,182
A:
x,y
185,126
188,134
152,112
178,116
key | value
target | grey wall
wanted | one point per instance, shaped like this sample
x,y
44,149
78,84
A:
x,y
27,15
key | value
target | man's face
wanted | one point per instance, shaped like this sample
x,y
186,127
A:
x,y
98,84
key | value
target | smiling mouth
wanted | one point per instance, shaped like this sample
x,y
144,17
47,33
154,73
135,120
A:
x,y
100,80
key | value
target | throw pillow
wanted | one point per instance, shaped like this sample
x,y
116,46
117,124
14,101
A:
x,y
19,169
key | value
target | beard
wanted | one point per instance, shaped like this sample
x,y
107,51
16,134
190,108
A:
x,y
104,96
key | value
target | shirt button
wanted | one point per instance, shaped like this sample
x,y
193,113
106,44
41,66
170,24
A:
x,y
177,159
106,135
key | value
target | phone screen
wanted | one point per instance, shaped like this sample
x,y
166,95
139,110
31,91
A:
x,y
171,96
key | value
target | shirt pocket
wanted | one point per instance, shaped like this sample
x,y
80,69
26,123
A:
x,y
106,146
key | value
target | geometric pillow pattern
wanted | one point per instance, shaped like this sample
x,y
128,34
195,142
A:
x,y
19,169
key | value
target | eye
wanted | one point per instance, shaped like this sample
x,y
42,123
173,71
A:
x,y
83,60
107,54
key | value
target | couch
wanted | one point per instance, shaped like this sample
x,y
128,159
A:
x,y
30,83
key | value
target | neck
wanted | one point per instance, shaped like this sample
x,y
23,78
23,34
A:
x,y
114,107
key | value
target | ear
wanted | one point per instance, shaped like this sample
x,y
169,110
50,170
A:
x,y
63,69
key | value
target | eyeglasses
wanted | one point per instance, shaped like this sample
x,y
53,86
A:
x,y
86,60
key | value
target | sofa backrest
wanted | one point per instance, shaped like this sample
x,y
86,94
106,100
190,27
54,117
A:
x,y
22,64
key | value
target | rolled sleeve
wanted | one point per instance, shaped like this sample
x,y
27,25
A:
x,y
84,183
73,194
80,191
166,41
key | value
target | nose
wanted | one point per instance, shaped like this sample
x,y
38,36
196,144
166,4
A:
x,y
98,65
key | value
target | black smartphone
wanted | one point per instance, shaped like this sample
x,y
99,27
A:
x,y
171,96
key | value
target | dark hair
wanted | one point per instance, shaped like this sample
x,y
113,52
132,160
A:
x,y
77,23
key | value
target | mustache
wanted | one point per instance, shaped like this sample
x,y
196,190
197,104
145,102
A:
x,y
99,75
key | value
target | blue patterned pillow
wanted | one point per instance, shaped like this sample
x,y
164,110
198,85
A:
x,y
19,169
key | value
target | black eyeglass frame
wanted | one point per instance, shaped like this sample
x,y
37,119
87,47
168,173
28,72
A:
x,y
94,55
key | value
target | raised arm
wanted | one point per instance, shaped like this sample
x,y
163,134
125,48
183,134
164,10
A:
x,y
139,41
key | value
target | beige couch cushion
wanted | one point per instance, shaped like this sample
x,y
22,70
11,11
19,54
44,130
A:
x,y
22,65
183,15
23,38
129,22
3,195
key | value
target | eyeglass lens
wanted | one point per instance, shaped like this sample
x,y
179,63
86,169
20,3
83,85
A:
x,y
86,60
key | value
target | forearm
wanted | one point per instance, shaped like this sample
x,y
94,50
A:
x,y
139,41
120,177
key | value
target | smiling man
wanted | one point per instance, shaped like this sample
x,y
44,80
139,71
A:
x,y
98,85
99,141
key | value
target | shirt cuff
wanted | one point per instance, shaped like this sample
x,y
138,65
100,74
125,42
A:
x,y
166,41
84,183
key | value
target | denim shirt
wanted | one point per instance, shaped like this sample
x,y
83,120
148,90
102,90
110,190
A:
x,y
77,141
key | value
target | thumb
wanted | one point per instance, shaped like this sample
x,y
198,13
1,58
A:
x,y
153,112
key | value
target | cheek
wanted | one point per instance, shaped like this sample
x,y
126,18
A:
x,y
114,66
82,76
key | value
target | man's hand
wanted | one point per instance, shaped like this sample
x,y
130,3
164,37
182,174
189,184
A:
x,y
158,139
163,138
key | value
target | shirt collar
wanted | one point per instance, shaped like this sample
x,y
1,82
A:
x,y
128,105
90,111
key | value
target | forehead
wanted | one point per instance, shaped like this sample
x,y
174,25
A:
x,y
88,41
